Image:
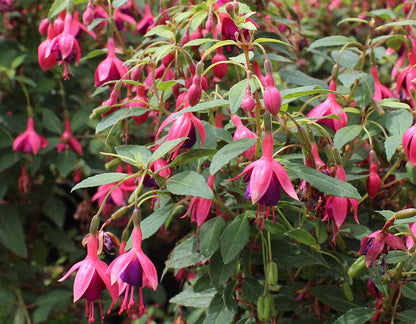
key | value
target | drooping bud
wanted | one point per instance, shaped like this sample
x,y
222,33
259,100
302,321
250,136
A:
x,y
243,132
43,26
220,70
195,91
357,268
272,273
373,183
209,24
272,100
89,13
248,102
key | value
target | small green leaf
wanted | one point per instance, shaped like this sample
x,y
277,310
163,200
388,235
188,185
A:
x,y
346,134
209,234
165,148
134,154
100,179
398,121
189,183
234,238
203,106
397,23
237,93
191,156
189,298
329,41
270,40
333,297
161,31
357,20
151,224
218,313
118,3
409,290
407,316
199,41
57,7
11,230
360,315
300,78
51,121
117,116
348,58
65,162
391,144
301,236
184,254
230,151
166,85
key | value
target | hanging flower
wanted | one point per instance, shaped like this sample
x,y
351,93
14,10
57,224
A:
x,y
134,269
265,178
47,62
373,183
330,107
91,279
68,141
409,144
29,141
380,91
243,132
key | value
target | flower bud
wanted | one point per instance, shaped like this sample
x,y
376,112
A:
x,y
209,24
248,102
88,15
220,70
357,268
272,100
272,273
405,213
43,26
195,91
346,289
263,308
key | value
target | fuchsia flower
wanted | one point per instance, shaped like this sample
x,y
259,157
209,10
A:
x,y
195,90
243,132
337,208
373,183
47,62
146,21
200,208
184,125
409,239
29,141
91,279
373,245
406,78
409,144
68,141
265,178
111,68
380,91
133,269
328,107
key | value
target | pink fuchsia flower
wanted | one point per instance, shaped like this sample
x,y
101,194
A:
x,y
380,91
272,98
373,245
183,125
111,68
373,183
68,141
47,62
200,208
91,279
410,242
406,78
265,178
140,101
243,132
330,107
134,269
29,141
66,46
409,144
314,161
337,208
146,22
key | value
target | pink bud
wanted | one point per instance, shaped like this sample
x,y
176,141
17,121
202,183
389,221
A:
x,y
243,132
220,70
167,59
209,24
43,26
248,102
272,100
88,15
195,91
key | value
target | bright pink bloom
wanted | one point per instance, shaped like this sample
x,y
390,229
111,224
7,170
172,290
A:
x,y
406,79
200,208
47,62
265,178
91,279
337,208
373,183
380,91
134,269
314,160
66,46
68,141
243,132
409,239
146,21
373,245
195,90
111,68
140,101
328,107
409,144
29,141
184,125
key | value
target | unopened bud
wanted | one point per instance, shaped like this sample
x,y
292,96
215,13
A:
x,y
136,217
346,289
357,268
88,15
220,70
272,100
95,223
405,213
272,273
268,68
195,90
248,103
119,212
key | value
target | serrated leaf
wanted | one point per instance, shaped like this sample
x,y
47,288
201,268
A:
x,y
229,152
189,298
346,134
134,154
358,315
407,316
189,183
324,183
398,121
165,148
117,116
185,254
329,41
234,238
100,179
348,58
210,232
301,236
409,290
11,231
218,313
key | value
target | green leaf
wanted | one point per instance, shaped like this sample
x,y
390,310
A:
x,y
155,220
166,85
55,210
242,57
49,301
348,20
184,255
134,154
398,121
118,3
407,316
360,315
96,52
100,179
65,162
236,95
333,297
301,236
364,91
7,160
391,144
383,13
409,290
199,41
329,41
229,152
346,134
51,121
393,103
57,7
324,183
117,116
348,77
189,298
218,313
270,40
251,290
203,106
165,148
189,183
300,78
161,31
18,61
348,58
192,156
209,234
398,23
11,230
219,272
234,238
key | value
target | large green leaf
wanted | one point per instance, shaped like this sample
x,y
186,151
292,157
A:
x,y
11,230
209,234
117,116
398,121
230,151
324,183
391,144
189,298
218,313
301,236
234,238
134,154
65,162
346,134
219,272
165,148
409,290
189,183
155,220
329,41
358,315
100,179
51,122
184,255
